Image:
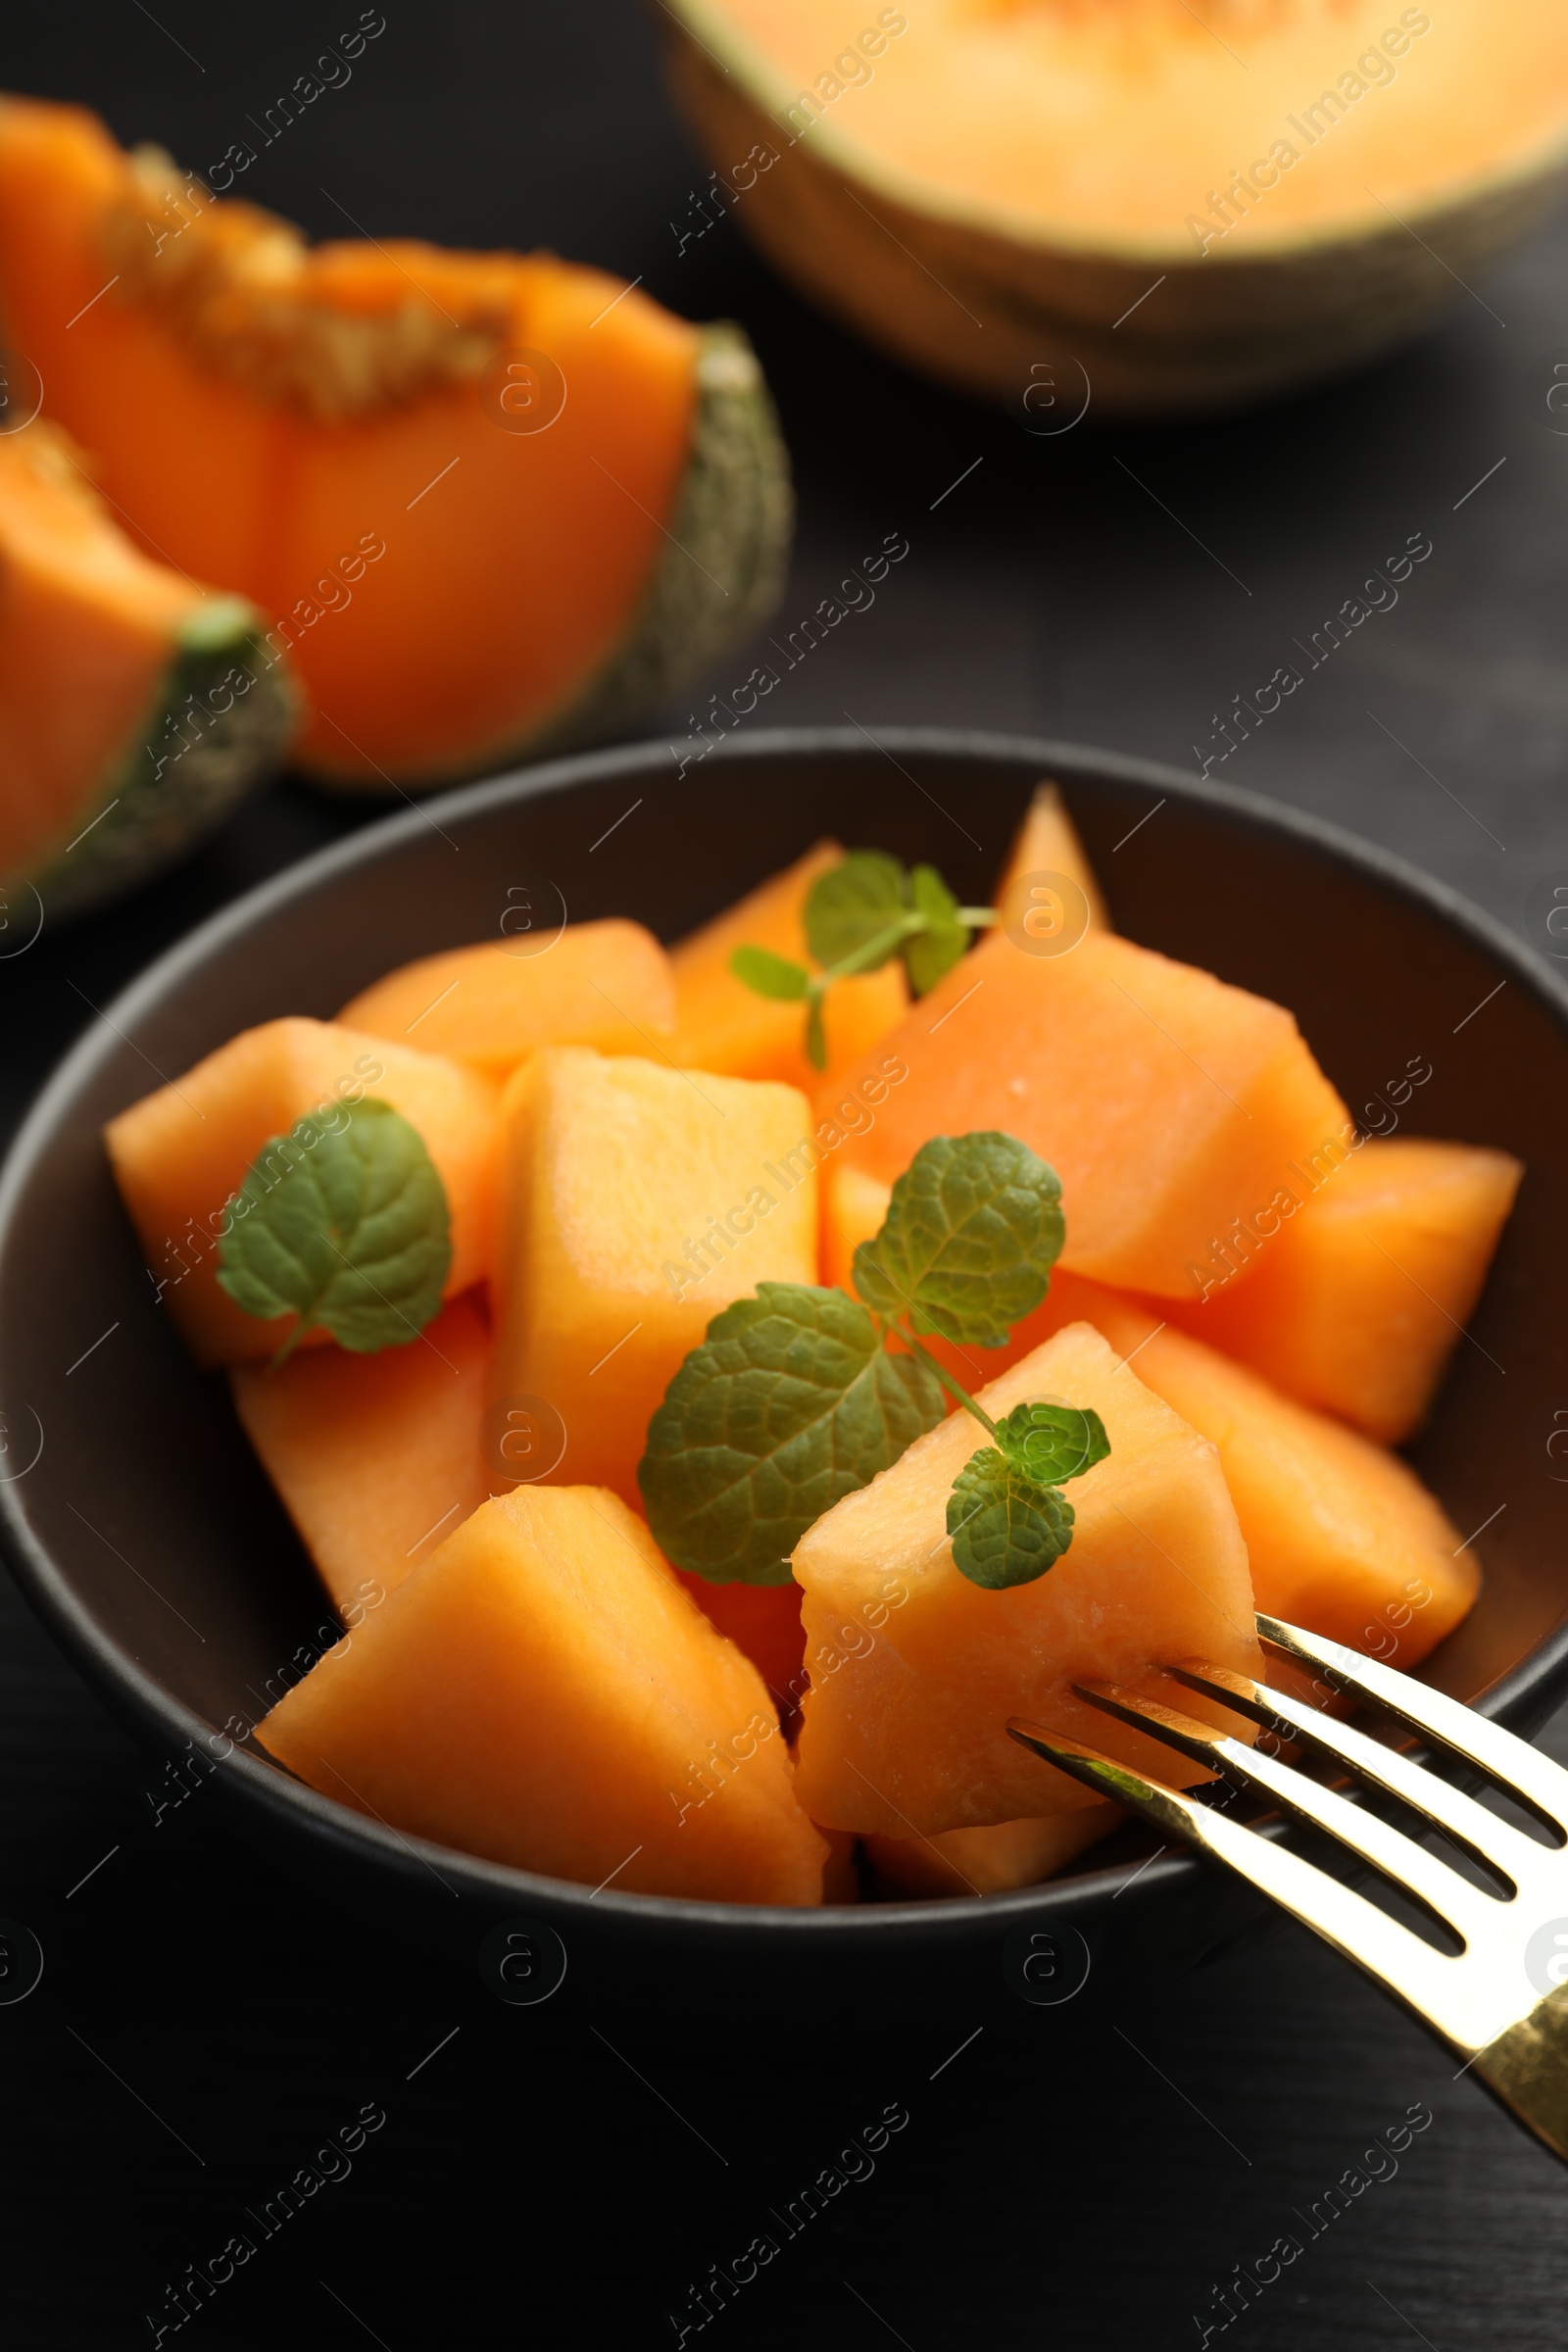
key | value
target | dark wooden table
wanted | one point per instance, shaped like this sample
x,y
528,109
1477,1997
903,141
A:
x,y
1079,2179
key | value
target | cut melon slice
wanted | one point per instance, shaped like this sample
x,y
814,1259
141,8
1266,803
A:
x,y
491,501
179,1155
1163,205
135,708
376,1457
1357,1299
636,1202
915,1671
725,1026
542,1692
992,1860
605,984
1048,843
1168,1102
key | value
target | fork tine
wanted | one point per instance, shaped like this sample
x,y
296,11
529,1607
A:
x,y
1422,1979
1490,1840
1512,1762
1435,1884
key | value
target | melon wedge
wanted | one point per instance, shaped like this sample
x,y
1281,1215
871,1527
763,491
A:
x,y
376,1457
1148,204
135,708
542,1692
1048,843
914,1670
1357,1299
179,1154
989,1861
724,1026
605,984
490,501
636,1201
1168,1102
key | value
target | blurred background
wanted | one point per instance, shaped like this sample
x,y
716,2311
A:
x,y
1078,2178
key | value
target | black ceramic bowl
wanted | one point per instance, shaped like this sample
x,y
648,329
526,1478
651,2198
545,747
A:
x,y
146,1535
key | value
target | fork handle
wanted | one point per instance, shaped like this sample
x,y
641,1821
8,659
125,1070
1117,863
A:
x,y
1527,2069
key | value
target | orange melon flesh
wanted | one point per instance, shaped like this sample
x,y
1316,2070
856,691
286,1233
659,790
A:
x,y
542,1692
89,627
854,1207
1048,843
722,1025
605,984
376,1457
636,1201
914,1670
179,1155
1356,1300
764,1621
1167,1101
451,582
1342,1536
991,1860
1106,129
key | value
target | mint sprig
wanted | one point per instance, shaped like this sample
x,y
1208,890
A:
x,y
794,1400
1006,1519
859,915
343,1223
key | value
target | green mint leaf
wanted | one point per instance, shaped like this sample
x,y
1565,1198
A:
x,y
791,1401
934,952
770,975
1005,1530
972,1231
1052,1442
343,1223
849,905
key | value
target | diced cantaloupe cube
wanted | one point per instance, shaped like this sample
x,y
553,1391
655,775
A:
x,y
764,1621
991,1860
1342,1536
542,1692
722,1025
376,1457
606,984
855,1206
916,1670
179,1154
1167,1101
1048,843
636,1202
1354,1299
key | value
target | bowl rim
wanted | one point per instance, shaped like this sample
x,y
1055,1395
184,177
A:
x,y
263,1787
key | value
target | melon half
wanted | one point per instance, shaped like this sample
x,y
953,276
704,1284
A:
x,y
490,501
1135,203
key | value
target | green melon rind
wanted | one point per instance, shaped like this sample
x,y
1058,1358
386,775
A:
x,y
720,578
723,577
183,769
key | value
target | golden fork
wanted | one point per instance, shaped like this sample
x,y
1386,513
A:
x,y
1500,2003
